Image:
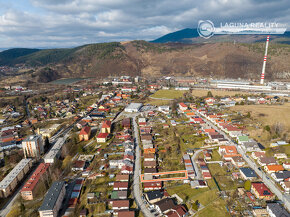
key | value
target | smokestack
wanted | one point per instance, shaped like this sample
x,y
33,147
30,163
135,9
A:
x,y
265,60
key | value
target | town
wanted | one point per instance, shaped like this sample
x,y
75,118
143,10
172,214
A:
x,y
133,146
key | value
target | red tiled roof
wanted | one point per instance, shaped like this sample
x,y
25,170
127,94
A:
x,y
106,124
262,189
34,178
85,130
103,135
121,203
126,213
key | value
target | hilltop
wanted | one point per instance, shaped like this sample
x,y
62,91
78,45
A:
x,y
219,59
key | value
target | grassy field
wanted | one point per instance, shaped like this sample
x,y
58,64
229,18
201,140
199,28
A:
x,y
267,114
216,208
168,94
158,102
201,93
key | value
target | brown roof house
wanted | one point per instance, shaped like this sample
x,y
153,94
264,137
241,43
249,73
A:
x,y
85,133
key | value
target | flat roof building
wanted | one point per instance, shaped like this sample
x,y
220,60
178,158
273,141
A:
x,y
33,146
133,107
54,151
8,184
53,200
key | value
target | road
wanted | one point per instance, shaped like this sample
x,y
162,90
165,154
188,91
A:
x,y
137,173
269,182
198,174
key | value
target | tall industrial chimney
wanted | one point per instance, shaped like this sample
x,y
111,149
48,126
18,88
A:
x,y
265,60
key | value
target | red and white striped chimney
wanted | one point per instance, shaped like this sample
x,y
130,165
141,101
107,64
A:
x,y
265,60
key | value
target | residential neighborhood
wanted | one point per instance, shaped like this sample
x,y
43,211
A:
x,y
119,147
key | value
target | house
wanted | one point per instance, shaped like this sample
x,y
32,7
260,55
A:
x,y
233,131
120,186
242,139
164,109
261,191
250,146
258,154
263,161
248,173
126,123
154,196
79,165
273,168
127,169
102,137
149,186
120,204
238,161
198,184
260,212
85,133
280,156
165,205
149,157
150,170
182,106
149,164
125,213
122,178
106,126
281,175
277,210
227,152
285,186
177,211
286,166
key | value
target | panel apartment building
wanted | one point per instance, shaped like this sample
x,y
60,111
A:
x,y
9,183
33,146
53,200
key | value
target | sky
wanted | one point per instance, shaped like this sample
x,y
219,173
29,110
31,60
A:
x,y
69,23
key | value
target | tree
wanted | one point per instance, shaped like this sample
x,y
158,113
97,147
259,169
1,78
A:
x,y
247,185
267,128
209,94
22,207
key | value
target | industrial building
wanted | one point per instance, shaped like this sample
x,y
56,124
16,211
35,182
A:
x,y
10,182
133,107
243,87
33,146
53,200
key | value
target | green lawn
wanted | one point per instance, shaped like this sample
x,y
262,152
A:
x,y
168,94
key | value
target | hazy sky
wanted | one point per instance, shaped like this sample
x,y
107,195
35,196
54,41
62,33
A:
x,y
68,23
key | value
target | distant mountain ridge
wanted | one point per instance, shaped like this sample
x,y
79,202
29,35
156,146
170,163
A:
x,y
216,59
189,36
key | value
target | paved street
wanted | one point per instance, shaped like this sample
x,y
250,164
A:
x,y
137,172
270,183
193,158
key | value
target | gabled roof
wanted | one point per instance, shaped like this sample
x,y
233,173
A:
x,y
85,130
165,204
106,124
152,195
262,189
